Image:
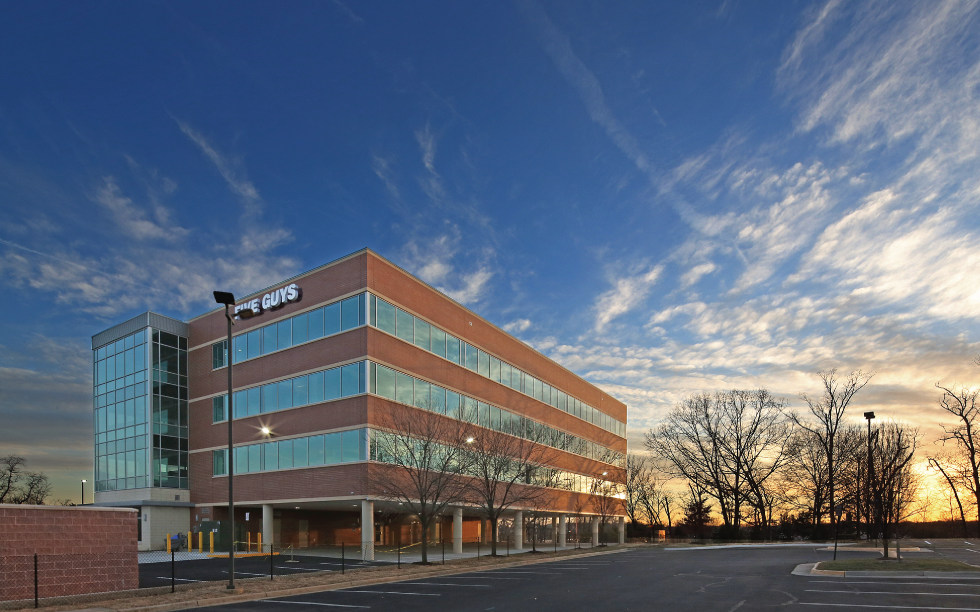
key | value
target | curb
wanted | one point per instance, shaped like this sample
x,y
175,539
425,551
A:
x,y
258,596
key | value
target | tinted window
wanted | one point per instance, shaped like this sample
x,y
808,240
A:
x,y
405,326
349,313
331,384
331,319
300,329
314,323
386,317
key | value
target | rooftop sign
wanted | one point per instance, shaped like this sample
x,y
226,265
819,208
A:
x,y
272,300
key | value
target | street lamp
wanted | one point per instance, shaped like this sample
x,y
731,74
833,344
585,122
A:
x,y
83,492
223,297
867,477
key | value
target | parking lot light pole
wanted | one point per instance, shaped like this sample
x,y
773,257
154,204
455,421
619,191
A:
x,y
867,477
223,297
83,492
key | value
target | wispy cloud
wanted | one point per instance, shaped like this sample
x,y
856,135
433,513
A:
x,y
132,221
627,293
518,326
433,260
230,169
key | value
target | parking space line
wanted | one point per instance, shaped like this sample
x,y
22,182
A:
x,y
893,593
518,572
391,593
896,583
184,579
313,603
481,586
469,577
844,605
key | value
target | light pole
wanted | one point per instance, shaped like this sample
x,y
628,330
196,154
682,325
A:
x,y
867,477
83,492
228,299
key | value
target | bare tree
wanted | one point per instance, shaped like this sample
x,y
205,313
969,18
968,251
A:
x,y
964,435
21,487
11,468
951,473
424,460
604,503
893,483
638,473
729,445
827,414
507,470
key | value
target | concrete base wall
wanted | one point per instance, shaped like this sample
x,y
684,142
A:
x,y
158,521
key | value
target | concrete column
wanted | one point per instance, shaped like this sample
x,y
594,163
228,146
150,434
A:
x,y
458,530
267,531
595,530
562,529
622,530
518,530
367,530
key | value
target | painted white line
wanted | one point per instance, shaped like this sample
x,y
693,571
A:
x,y
970,543
510,572
482,586
184,579
313,603
896,583
237,572
299,569
894,593
927,542
467,577
808,603
391,593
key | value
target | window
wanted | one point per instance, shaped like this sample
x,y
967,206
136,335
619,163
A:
x,y
332,450
315,384
351,315
316,450
472,359
350,380
405,326
270,334
484,365
438,342
385,382
422,330
331,385
301,448
331,319
452,348
315,323
285,333
219,355
350,445
300,329
271,455
386,317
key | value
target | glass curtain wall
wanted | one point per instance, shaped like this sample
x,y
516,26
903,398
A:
x,y
120,413
168,356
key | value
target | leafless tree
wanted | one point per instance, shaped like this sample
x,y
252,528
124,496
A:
x,y
424,459
507,470
964,436
18,486
638,474
893,482
729,445
11,468
826,419
952,474
603,501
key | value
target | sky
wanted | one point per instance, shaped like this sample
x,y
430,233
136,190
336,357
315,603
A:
x,y
664,197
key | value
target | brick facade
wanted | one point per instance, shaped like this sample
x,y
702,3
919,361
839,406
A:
x,y
80,550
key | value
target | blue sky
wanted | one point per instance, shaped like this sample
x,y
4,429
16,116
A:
x,y
664,197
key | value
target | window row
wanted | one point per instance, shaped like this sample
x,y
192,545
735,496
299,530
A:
x,y
312,388
114,435
386,445
104,393
120,445
121,484
121,414
407,389
119,365
325,321
404,325
120,345
326,449
121,465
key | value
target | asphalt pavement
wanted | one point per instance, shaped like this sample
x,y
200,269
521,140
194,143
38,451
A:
x,y
190,570
722,580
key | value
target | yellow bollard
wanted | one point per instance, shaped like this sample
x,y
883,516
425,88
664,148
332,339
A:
x,y
212,541
259,545
168,543
248,544
200,542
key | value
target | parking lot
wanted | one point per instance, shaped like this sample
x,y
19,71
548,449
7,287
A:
x,y
189,570
709,580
